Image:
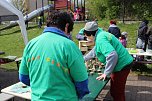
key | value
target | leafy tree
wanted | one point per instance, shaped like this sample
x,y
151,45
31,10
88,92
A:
x,y
113,9
96,8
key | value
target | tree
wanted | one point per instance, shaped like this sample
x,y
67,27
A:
x,y
96,8
120,9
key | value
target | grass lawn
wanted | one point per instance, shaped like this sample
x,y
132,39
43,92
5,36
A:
x,y
11,41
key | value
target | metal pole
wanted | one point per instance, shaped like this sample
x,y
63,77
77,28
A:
x,y
54,4
36,8
48,2
81,3
77,3
70,4
84,8
49,9
43,11
67,4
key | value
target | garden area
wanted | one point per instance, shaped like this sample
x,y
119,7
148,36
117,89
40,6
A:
x,y
12,42
127,15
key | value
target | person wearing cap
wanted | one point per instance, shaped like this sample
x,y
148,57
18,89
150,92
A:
x,y
80,36
125,34
91,54
113,55
52,63
123,39
113,29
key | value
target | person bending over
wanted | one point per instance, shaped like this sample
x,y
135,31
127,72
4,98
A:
x,y
115,57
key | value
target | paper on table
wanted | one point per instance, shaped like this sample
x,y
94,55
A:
x,y
20,88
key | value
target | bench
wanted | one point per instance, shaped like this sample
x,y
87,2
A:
x,y
141,66
85,46
6,97
1,53
7,59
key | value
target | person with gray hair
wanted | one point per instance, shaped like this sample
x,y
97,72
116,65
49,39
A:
x,y
113,55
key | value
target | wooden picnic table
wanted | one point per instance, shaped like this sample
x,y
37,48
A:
x,y
95,87
136,53
20,90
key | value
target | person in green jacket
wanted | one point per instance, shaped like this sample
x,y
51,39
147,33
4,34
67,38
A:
x,y
52,63
112,53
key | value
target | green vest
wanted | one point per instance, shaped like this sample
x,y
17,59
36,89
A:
x,y
105,43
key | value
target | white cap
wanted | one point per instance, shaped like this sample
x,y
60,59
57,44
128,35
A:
x,y
124,33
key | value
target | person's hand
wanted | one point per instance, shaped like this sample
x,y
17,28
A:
x,y
101,77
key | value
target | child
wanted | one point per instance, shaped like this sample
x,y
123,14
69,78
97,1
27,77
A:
x,y
125,34
123,38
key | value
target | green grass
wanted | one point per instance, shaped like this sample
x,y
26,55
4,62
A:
x,y
11,41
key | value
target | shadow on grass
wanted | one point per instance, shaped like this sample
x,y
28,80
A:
x,y
143,69
17,31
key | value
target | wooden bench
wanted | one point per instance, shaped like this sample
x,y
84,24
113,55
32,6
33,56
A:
x,y
6,97
85,46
